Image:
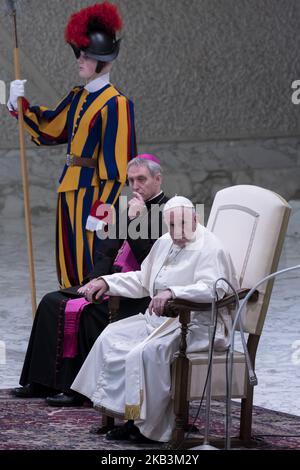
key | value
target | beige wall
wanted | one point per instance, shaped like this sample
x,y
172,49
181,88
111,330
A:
x,y
211,82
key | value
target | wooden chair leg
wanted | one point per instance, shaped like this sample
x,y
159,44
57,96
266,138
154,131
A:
x,y
181,406
247,403
246,417
107,423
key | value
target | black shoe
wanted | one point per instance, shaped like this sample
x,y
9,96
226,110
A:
x,y
138,438
99,429
127,432
30,391
63,399
119,433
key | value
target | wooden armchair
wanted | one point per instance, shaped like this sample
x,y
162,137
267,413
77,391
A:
x,y
251,222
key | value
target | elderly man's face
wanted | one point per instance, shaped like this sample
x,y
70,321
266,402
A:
x,y
182,224
142,182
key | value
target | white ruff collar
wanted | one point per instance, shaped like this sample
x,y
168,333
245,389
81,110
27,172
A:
x,y
97,83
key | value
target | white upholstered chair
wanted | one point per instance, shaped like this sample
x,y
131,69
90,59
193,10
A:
x,y
251,222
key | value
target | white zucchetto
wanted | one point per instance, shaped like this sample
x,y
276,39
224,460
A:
x,y
178,201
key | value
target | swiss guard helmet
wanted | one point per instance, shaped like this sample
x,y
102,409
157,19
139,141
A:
x,y
93,31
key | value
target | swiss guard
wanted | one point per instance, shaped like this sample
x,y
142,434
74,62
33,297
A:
x,y
96,121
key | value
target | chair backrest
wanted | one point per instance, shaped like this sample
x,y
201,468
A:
x,y
251,222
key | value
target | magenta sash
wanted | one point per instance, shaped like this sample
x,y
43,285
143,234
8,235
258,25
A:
x,y
74,308
125,259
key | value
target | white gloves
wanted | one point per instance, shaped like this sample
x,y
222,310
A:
x,y
17,89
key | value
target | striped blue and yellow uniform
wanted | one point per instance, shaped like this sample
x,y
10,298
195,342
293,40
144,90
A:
x,y
97,125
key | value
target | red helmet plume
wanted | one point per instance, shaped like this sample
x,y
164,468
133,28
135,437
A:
x,y
103,17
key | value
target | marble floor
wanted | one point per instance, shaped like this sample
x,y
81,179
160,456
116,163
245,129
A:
x,y
278,358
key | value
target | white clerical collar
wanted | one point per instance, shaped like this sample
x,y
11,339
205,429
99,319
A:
x,y
153,197
97,83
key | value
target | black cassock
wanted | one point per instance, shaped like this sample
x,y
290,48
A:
x,y
44,363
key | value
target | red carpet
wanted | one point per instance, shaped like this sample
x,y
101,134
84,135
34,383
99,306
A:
x,y
32,425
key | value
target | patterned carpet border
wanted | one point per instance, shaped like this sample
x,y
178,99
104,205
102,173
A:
x,y
33,425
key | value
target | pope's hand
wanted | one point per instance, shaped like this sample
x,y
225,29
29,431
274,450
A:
x,y
17,90
93,290
157,304
136,206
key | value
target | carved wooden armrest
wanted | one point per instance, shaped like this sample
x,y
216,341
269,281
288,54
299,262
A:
x,y
177,306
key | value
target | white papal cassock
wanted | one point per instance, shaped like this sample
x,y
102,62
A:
x,y
128,368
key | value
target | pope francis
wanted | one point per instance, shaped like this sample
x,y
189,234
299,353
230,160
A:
x,y
128,369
